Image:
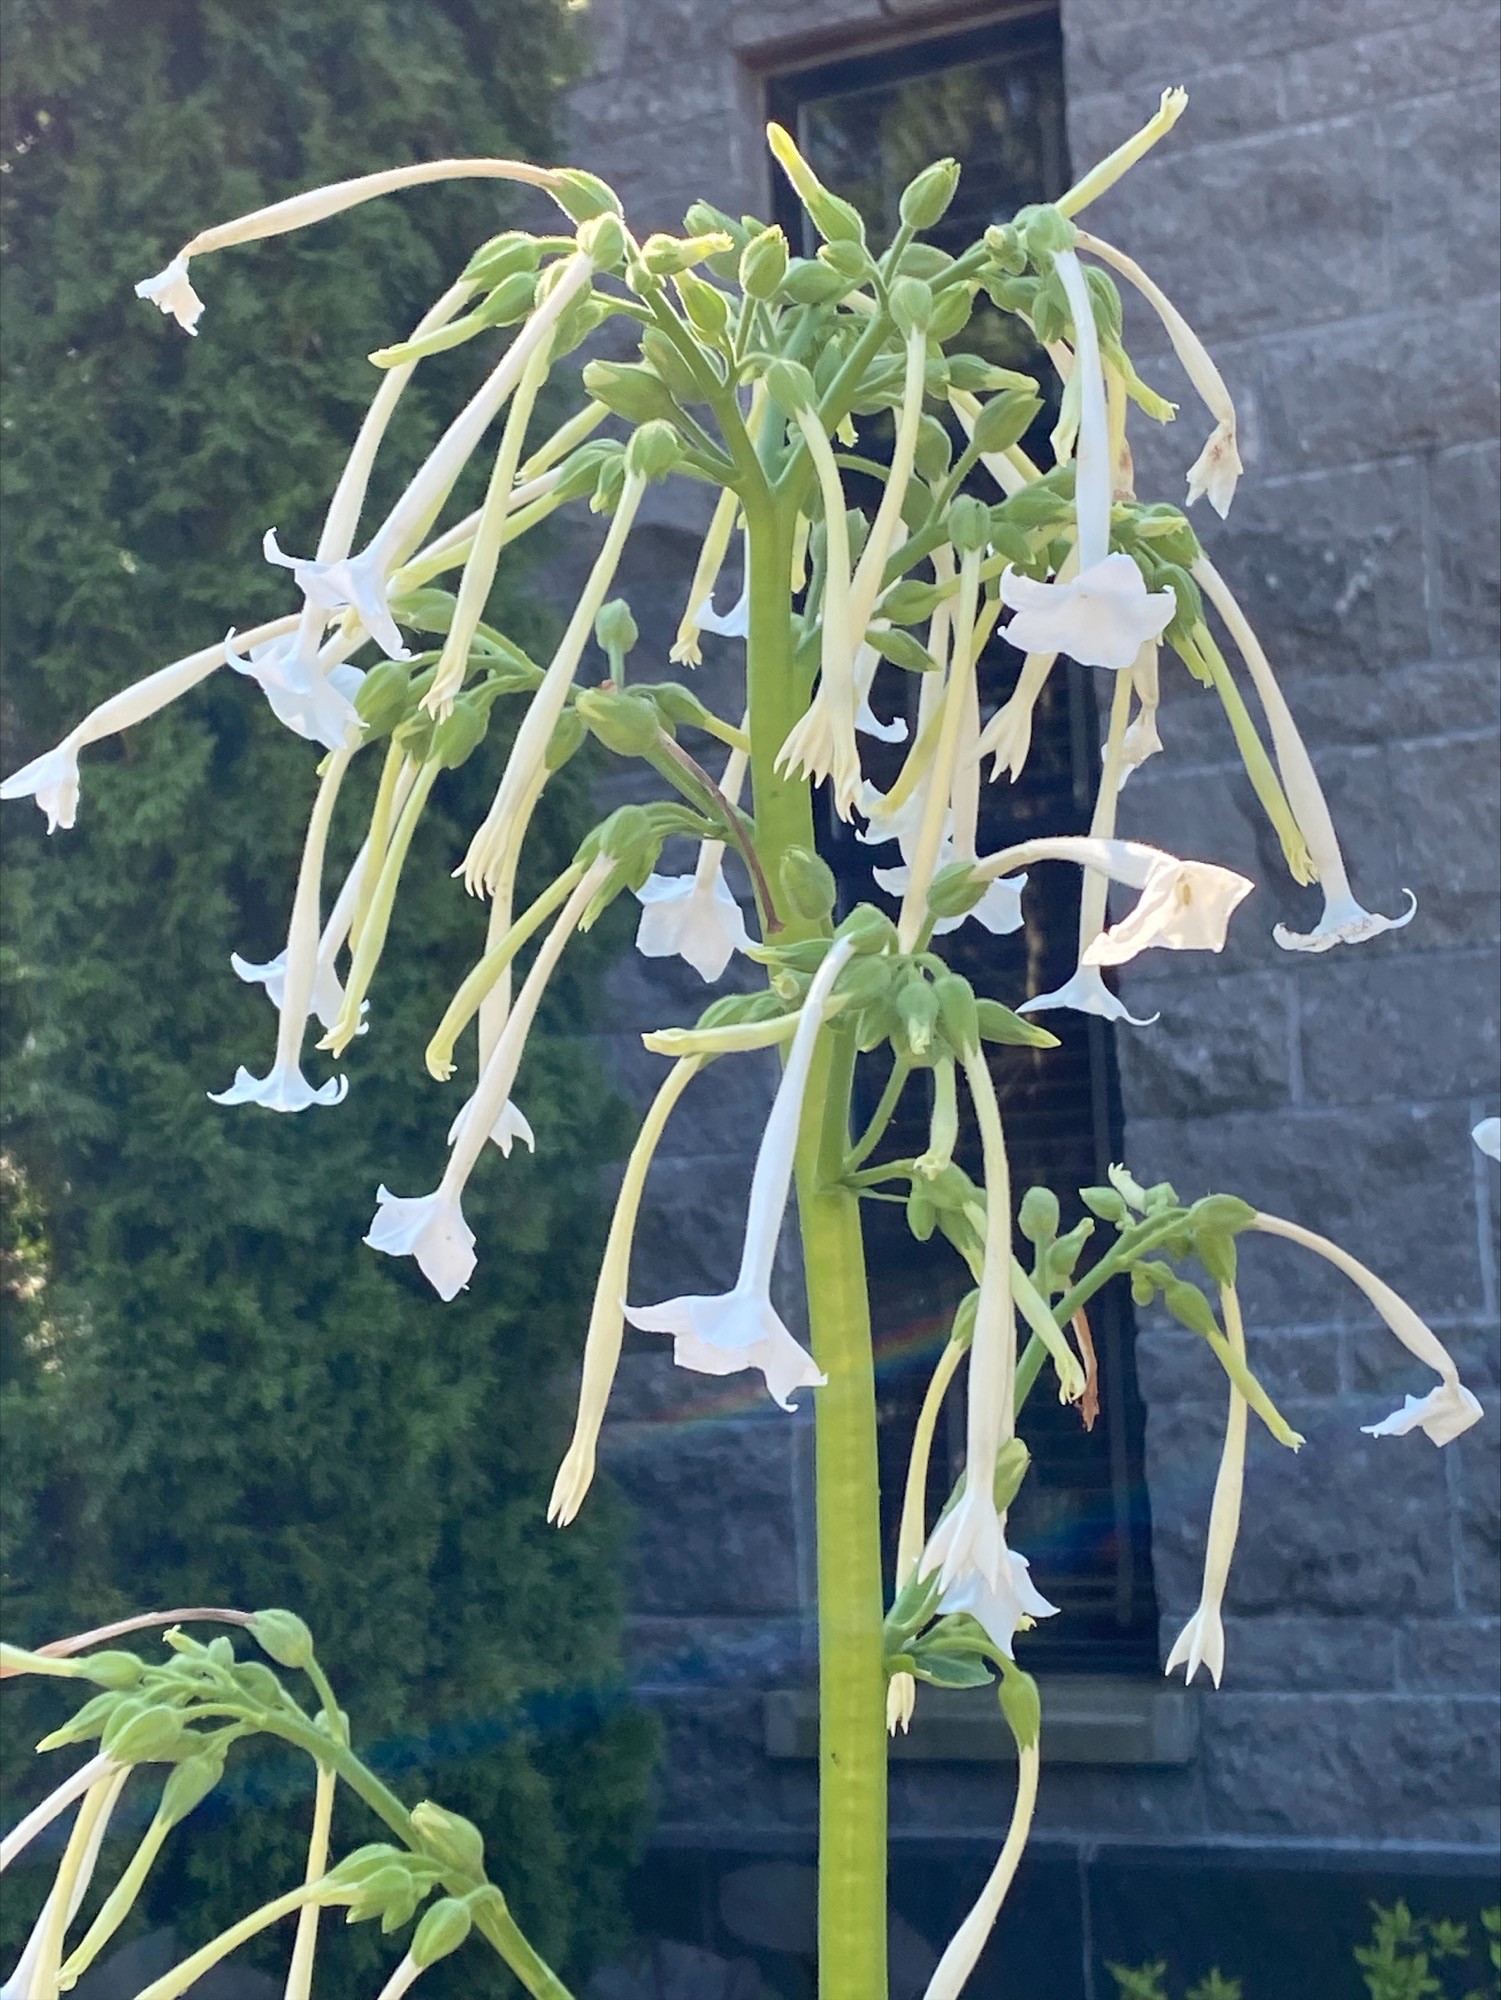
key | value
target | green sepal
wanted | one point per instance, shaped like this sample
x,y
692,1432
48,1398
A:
x,y
999,1024
513,250
114,1670
442,1930
568,734
283,1637
582,195
808,885
451,1840
902,650
1108,1204
1021,1704
1038,1217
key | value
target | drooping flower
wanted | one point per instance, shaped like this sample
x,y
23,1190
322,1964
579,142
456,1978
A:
x,y
52,780
431,1228
821,744
313,696
328,993
731,1331
1343,922
867,722
1487,1136
284,1089
1184,906
1101,619
172,291
511,1125
1086,992
693,917
1442,1415
1202,1640
1009,1604
352,583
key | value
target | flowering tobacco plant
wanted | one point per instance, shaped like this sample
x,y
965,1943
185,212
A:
x,y
756,370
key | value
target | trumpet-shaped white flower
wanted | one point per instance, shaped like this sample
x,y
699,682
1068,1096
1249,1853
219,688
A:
x,y
1487,1136
867,722
901,823
352,583
1085,992
731,624
730,1331
431,1228
998,911
310,694
1102,618
1202,1640
1344,922
1444,1414
52,780
692,917
1185,906
511,1125
1214,473
328,992
1008,1605
172,291
285,1088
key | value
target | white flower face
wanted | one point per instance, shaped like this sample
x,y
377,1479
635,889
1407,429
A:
x,y
1102,618
700,922
1201,1643
355,583
432,1229
313,702
284,1089
1343,922
731,624
1086,993
998,911
725,1334
511,1125
52,780
1004,1607
1185,906
1444,1414
173,292
1214,472
1487,1136
328,994
969,1541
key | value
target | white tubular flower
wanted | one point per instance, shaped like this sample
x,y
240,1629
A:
x,y
1444,1413
741,1328
57,1801
867,722
607,1316
511,1125
1085,992
328,993
1008,734
685,648
402,1980
1218,467
171,290
351,583
312,695
1102,619
998,911
822,744
285,1088
1202,1640
1141,739
305,1945
1343,920
962,1953
969,1542
52,778
1011,1604
901,823
695,917
36,1976
901,1700
431,1227
1487,1136
1185,906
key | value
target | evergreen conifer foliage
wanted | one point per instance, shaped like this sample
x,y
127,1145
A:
x,y
212,1394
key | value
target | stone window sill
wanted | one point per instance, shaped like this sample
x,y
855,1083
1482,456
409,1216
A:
x,y
1086,1719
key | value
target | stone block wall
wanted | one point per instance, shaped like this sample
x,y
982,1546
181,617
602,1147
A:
x,y
1327,216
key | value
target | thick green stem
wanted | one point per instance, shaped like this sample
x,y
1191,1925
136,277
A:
x,y
852,1682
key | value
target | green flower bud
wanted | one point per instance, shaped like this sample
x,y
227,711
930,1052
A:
x,y
925,199
922,1216
669,256
1107,1204
911,306
508,303
917,1010
903,651
580,318
653,451
1221,1211
1035,507
969,525
582,196
704,219
1038,1216
1021,1705
955,890
114,1670
615,629
442,1930
735,1010
1064,1254
935,450
834,219
188,1785
1044,230
909,602
790,387
1189,1307
1005,419
667,361
580,471
972,373
90,1720
384,697
568,733
706,306
1005,245
808,885
504,255
812,284
138,1735
925,261
259,1684
628,390
1011,1461
454,1842
999,1024
957,1013
864,980
455,740
851,260
763,264
952,308
624,723
1215,1250
869,929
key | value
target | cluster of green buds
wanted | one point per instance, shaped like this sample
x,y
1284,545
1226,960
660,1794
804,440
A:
x,y
760,374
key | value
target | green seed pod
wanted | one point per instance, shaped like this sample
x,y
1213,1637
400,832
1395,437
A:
x,y
451,1840
114,1670
808,885
624,723
628,390
911,306
283,1636
582,196
510,301
925,199
763,264
442,1930
653,451
1005,419
1038,1216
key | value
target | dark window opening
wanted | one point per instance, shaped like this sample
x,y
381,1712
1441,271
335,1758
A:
x,y
993,97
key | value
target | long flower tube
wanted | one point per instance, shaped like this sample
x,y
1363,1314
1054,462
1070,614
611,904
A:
x,y
1446,1412
1217,468
1343,920
284,1088
171,289
870,571
1202,1640
602,1342
377,914
912,1531
970,1542
822,743
299,1984
52,778
57,1801
962,1953
1104,176
431,1227
403,1978
723,1334
484,555
27,1981
499,834
940,778
188,1971
696,917
482,978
